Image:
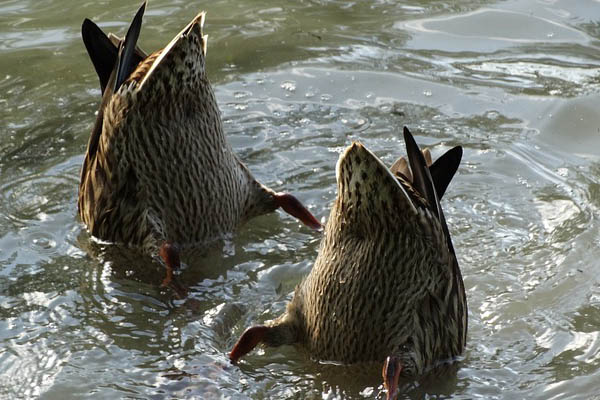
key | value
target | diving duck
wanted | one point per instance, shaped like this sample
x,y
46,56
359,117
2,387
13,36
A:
x,y
386,285
158,172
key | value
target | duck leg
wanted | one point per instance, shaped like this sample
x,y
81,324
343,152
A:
x,y
170,253
248,341
292,206
391,374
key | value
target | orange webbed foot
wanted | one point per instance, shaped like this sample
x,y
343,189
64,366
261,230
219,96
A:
x,y
295,208
248,341
170,254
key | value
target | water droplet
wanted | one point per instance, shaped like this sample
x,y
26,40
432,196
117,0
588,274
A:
x,y
290,86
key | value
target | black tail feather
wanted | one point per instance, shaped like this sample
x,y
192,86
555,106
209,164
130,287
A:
x,y
422,180
444,168
101,50
437,177
126,63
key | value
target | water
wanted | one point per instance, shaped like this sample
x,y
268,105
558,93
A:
x,y
516,83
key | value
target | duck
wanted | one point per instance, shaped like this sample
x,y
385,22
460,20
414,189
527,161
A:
x,y
159,173
386,285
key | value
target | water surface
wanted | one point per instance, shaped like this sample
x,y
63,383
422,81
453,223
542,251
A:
x,y
516,83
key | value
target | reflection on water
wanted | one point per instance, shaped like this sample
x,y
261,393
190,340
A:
x,y
514,83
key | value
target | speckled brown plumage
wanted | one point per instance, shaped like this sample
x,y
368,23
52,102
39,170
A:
x,y
386,281
158,166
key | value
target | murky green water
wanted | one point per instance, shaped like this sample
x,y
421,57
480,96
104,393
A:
x,y
516,83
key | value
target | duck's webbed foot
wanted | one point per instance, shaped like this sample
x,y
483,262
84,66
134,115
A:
x,y
170,254
391,373
248,341
294,207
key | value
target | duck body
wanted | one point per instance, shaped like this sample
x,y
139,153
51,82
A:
x,y
158,168
163,167
386,282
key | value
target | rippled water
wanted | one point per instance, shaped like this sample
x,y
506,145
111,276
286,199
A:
x,y
516,83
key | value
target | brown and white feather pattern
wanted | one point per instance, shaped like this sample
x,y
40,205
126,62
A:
x,y
163,168
385,281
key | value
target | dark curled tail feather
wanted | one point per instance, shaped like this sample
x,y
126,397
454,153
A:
x,y
126,63
444,168
101,50
422,180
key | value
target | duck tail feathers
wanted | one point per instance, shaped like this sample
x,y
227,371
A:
x,y
422,180
101,50
443,169
127,48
